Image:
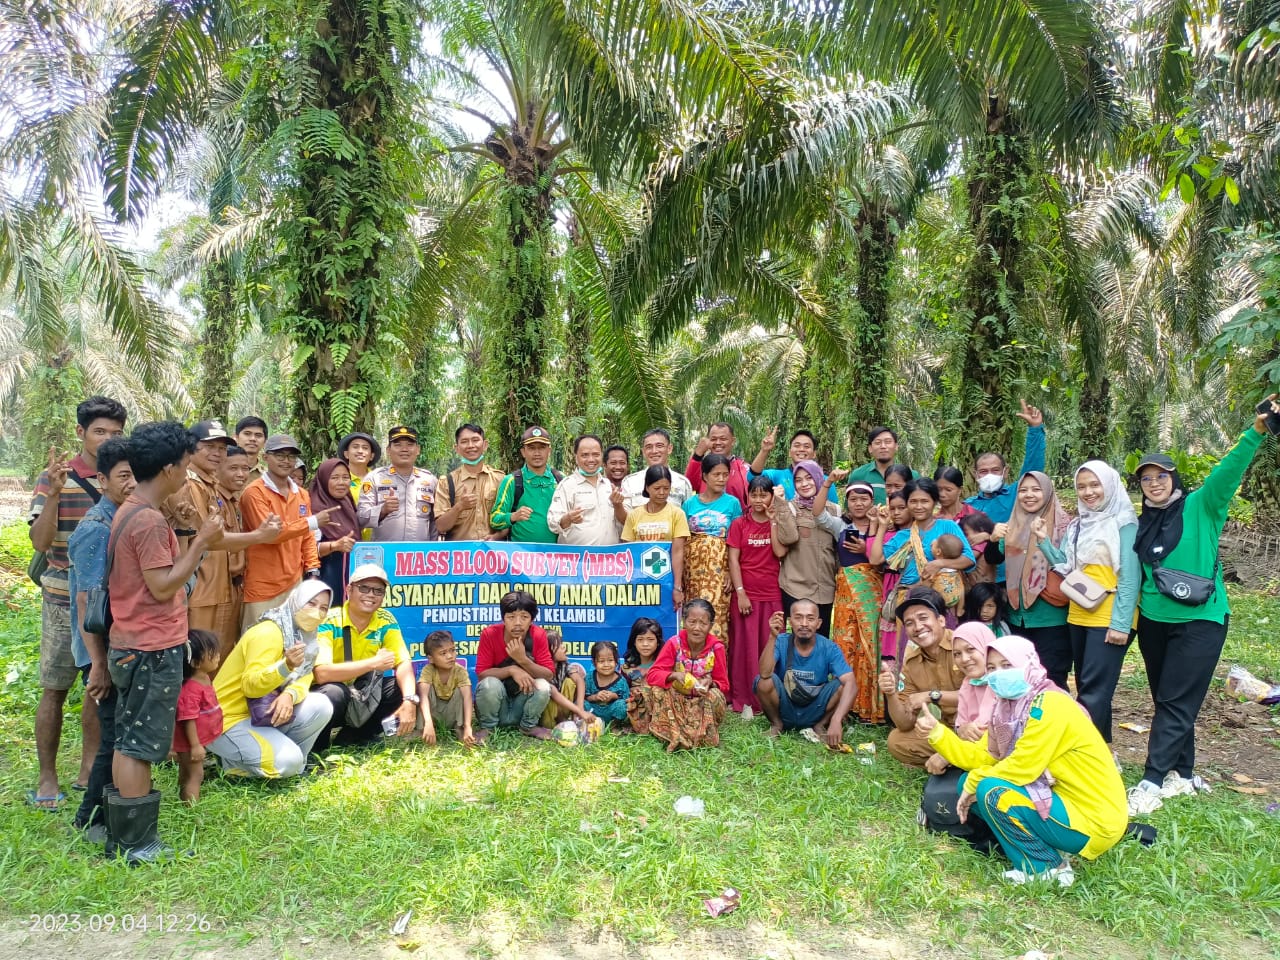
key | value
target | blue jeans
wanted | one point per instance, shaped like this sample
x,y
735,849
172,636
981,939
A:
x,y
496,708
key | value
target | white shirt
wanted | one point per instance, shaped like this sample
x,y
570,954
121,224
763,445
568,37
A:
x,y
598,527
633,489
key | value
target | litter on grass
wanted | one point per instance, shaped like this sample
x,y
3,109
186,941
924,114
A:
x,y
1243,685
727,902
688,806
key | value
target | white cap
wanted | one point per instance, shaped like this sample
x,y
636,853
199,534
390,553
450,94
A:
x,y
368,571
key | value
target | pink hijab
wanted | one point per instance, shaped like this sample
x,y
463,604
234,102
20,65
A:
x,y
1009,717
976,702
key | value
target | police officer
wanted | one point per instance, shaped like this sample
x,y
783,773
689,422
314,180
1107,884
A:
x,y
397,501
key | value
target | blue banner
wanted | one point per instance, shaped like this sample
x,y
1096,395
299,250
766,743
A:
x,y
586,593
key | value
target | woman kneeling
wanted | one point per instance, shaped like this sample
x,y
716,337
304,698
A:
x,y
1041,777
270,717
683,699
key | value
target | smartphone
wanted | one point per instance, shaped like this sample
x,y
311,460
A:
x,y
1273,418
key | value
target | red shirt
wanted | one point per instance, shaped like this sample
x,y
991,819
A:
x,y
198,702
737,485
659,674
144,542
493,649
756,560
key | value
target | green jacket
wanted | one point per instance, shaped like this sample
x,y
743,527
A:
x,y
1202,521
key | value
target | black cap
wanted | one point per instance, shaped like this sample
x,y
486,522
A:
x,y
210,430
1155,460
926,597
402,433
373,444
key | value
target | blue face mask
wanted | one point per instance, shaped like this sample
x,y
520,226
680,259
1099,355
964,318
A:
x,y
1007,684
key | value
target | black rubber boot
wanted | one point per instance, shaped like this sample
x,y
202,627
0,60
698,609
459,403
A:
x,y
109,845
133,823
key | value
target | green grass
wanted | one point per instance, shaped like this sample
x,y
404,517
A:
x,y
542,837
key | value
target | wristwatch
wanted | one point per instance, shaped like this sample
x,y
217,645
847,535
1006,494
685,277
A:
x,y
412,698
935,696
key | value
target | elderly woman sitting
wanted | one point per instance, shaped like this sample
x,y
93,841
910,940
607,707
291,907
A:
x,y
270,717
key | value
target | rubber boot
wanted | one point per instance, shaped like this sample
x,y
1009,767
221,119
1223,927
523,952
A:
x,y
108,842
134,824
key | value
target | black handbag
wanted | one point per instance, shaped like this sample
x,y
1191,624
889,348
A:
x,y
800,694
97,603
365,693
1189,589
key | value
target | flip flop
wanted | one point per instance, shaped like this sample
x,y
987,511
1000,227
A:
x,y
43,803
79,787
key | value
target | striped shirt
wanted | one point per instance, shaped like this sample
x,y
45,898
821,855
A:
x,y
73,503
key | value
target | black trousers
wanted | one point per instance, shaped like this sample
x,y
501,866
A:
x,y
1180,660
91,810
339,694
824,612
1097,665
1053,646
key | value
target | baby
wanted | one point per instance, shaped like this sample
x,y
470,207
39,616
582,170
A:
x,y
949,583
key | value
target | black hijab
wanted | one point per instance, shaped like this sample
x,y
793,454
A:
x,y
1160,528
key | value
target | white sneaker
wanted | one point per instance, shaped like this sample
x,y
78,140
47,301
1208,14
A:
x,y
1063,875
1144,798
1176,785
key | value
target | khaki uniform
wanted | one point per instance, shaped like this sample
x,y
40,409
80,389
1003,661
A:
x,y
416,490
920,674
471,524
215,601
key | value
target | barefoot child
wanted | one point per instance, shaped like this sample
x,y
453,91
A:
x,y
568,684
642,649
950,583
444,691
607,689
199,718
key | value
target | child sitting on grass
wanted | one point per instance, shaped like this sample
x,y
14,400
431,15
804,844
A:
x,y
607,689
199,717
568,684
444,691
642,649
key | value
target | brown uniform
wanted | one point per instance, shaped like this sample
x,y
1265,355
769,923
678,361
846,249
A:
x,y
215,601
923,673
471,524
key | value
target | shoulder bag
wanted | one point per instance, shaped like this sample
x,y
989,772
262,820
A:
x,y
97,604
365,692
1189,589
1080,588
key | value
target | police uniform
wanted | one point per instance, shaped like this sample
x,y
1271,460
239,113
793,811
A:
x,y
416,491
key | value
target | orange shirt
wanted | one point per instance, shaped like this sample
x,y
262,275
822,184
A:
x,y
275,567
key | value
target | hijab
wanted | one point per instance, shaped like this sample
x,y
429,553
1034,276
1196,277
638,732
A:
x,y
344,521
1009,717
1095,535
976,699
810,467
290,632
1023,563
1160,528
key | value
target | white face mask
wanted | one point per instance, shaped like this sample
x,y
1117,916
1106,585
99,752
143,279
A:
x,y
990,482
308,618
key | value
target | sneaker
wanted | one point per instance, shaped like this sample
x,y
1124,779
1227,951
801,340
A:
x,y
1144,799
1175,785
1062,875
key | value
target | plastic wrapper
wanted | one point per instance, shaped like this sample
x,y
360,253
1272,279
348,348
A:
x,y
727,902
1243,685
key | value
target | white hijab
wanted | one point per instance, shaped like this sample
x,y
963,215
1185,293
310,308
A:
x,y
1094,537
290,632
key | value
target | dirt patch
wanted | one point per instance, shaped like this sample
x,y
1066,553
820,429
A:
x,y
15,498
492,942
1237,744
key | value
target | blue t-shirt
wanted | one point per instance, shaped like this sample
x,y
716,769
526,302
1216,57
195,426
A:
x,y
712,518
87,551
999,505
824,662
787,481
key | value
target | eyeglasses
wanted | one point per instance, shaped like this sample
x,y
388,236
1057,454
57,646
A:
x,y
283,454
1154,478
370,589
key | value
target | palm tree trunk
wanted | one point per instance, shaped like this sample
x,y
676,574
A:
x,y
877,245
577,342
219,339
992,369
516,342
349,201
49,398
